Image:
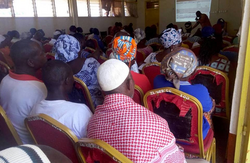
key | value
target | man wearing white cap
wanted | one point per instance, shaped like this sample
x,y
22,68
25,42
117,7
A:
x,y
139,134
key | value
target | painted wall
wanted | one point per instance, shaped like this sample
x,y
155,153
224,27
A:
x,y
50,24
230,10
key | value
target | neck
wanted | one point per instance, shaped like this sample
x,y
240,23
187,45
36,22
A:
x,y
24,70
57,95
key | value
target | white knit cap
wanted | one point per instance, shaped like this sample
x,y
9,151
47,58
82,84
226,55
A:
x,y
111,74
2,38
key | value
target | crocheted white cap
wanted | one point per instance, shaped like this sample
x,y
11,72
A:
x,y
111,74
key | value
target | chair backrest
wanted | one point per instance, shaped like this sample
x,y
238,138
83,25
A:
x,y
108,39
182,111
47,131
140,56
90,50
217,84
47,47
196,50
4,70
80,94
138,95
101,59
151,70
108,52
232,48
189,43
227,38
95,42
8,134
94,150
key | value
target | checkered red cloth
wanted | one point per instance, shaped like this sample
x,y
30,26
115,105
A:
x,y
136,132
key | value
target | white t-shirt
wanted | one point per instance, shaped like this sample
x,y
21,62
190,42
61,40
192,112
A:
x,y
73,115
18,95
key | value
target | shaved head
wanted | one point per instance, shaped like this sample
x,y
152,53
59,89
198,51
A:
x,y
55,73
26,50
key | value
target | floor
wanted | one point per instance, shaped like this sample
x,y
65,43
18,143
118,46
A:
x,y
221,130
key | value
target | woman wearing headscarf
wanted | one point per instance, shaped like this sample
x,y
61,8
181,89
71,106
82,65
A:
x,y
176,68
124,49
66,49
170,39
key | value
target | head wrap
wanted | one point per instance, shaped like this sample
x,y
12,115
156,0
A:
x,y
57,33
188,25
139,35
178,64
66,48
207,32
111,74
124,48
2,38
170,37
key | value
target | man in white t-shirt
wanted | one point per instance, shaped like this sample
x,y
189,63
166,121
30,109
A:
x,y
58,78
21,90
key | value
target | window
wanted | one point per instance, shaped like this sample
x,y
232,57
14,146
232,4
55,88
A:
x,y
44,8
5,12
82,8
62,8
23,8
95,8
126,9
186,9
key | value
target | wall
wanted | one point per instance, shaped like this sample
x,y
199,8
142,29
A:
x,y
50,24
230,10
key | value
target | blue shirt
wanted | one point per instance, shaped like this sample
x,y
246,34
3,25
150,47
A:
x,y
199,91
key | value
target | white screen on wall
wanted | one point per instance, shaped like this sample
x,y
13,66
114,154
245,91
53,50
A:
x,y
186,9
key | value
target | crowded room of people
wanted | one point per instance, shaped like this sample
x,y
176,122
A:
x,y
126,81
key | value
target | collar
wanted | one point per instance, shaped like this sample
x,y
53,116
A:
x,y
184,83
24,77
117,98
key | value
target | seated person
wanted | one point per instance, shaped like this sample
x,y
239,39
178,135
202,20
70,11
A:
x,y
136,132
56,34
38,38
176,68
32,153
66,49
170,39
5,43
21,90
58,78
127,54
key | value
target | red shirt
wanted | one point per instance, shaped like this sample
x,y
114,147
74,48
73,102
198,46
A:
x,y
142,81
136,132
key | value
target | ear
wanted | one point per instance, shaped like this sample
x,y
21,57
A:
x,y
67,81
30,62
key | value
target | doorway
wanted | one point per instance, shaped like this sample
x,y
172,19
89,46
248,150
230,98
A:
x,y
152,13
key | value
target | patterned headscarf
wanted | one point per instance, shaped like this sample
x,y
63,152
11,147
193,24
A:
x,y
66,48
139,35
124,48
170,37
179,64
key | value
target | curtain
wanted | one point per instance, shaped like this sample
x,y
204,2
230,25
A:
x,y
5,3
132,7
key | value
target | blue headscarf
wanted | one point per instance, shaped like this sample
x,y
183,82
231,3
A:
x,y
170,37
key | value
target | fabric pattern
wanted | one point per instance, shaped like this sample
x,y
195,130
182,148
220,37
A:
x,y
124,48
179,64
139,134
66,48
24,153
170,37
88,74
220,64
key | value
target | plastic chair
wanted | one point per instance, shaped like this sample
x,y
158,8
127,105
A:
x,y
196,50
151,70
47,131
184,114
140,56
108,39
101,59
189,43
8,134
80,94
108,52
221,83
50,56
232,48
138,95
94,150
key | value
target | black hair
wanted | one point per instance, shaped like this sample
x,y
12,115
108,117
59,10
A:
x,y
171,25
208,48
91,30
90,43
32,31
22,50
15,34
54,72
79,37
72,28
79,29
41,31
96,31
149,33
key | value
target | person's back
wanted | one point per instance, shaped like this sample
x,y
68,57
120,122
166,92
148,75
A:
x,y
139,134
21,90
58,78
